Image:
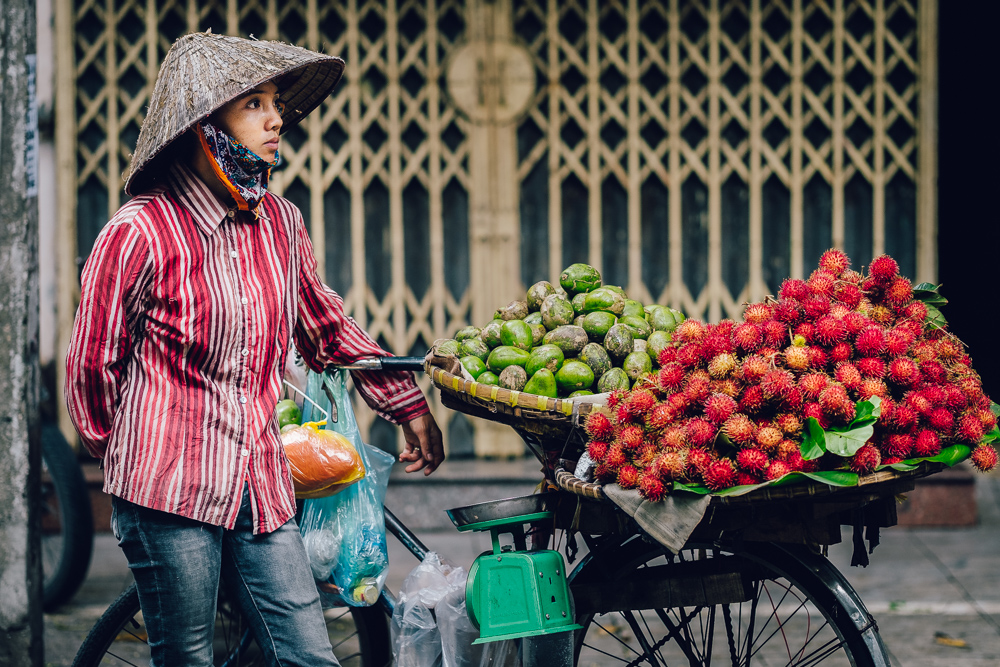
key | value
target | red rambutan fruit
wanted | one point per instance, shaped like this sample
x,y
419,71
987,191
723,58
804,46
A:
x,y
671,375
598,426
899,445
775,333
835,402
848,294
817,356
631,438
881,314
912,328
786,448
720,475
834,261
604,473
787,311
889,460
641,402
718,408
714,344
919,402
789,423
988,419
697,387
871,341
812,384
777,383
673,438
935,394
628,476
597,449
871,367
679,402
792,401
689,355
816,306
651,487
924,350
768,437
700,432
752,399
722,365
777,470
949,348
954,398
971,386
903,371
747,479
815,411
848,375
617,397
661,416
855,322
984,457
752,460
793,289
928,443
747,336
671,465
872,387
839,311
804,330
941,420
916,310
899,292
969,428
904,418
624,414
740,429
754,368
883,269
933,371
667,355
615,458
757,313
822,283
797,358
897,342
840,353
851,276
866,460
729,387
697,462
691,329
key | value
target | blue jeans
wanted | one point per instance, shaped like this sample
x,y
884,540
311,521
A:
x,y
177,562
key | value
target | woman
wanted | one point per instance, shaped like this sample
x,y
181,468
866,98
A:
x,y
189,301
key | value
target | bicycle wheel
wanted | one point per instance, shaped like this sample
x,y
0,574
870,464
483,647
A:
x,y
360,637
67,523
795,608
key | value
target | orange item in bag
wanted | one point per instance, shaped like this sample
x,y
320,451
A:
x,y
322,462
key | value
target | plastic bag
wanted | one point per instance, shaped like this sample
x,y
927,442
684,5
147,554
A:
x,y
344,535
430,625
322,462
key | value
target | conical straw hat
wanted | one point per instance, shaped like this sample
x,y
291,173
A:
x,y
203,71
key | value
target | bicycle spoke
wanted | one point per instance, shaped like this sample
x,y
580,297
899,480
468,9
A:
x,y
123,660
641,637
615,637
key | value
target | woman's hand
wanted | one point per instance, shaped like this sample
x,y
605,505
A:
x,y
423,448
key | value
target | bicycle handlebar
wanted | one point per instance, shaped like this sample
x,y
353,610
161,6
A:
x,y
386,364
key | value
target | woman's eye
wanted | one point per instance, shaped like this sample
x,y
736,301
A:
x,y
253,104
280,106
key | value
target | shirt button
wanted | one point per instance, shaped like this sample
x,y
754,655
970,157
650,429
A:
x,y
246,352
231,214
232,253
243,400
244,452
244,301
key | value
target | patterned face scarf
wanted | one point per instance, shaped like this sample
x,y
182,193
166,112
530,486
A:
x,y
242,171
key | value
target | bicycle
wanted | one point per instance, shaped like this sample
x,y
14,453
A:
x,y
66,520
721,598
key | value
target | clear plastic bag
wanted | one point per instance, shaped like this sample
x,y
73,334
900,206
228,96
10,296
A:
x,y
431,627
344,535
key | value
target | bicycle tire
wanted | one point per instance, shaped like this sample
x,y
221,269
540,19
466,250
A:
x,y
806,582
118,638
66,553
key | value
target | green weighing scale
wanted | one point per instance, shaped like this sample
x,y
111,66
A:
x,y
513,593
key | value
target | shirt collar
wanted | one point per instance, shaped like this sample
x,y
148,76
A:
x,y
205,207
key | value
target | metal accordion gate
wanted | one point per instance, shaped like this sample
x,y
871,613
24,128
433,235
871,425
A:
x,y
695,152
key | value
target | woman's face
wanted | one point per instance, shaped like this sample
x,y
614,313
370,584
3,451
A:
x,y
254,120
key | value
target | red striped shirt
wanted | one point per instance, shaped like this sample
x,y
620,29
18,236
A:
x,y
179,348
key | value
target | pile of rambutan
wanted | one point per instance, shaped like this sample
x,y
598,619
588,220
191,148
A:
x,y
728,403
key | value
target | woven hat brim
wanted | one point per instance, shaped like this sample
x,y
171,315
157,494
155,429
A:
x,y
303,87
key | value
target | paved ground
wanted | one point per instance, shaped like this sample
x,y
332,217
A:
x,y
924,586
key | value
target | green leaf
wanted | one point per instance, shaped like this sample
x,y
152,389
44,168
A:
x,y
814,443
992,435
692,488
994,408
741,490
948,456
847,443
867,411
929,294
831,477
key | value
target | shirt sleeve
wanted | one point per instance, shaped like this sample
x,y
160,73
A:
x,y
326,335
104,331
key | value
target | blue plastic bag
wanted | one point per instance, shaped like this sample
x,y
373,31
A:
x,y
344,534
